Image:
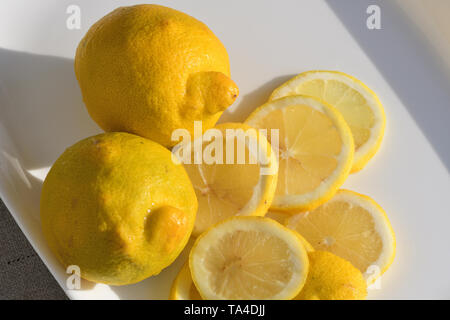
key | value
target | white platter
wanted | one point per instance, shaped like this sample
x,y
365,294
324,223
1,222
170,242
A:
x,y
41,113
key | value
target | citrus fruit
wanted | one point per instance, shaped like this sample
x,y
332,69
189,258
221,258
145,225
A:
x,y
360,107
242,186
118,207
148,70
332,278
248,258
281,217
352,226
183,288
278,216
315,150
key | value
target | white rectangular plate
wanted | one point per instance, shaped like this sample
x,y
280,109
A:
x,y
41,113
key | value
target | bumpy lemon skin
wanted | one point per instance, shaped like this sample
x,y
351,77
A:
x,y
332,278
118,207
148,70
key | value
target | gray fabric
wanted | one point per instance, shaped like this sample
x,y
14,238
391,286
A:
x,y
22,273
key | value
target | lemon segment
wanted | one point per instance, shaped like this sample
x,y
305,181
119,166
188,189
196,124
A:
x,y
226,190
352,226
315,150
183,288
332,278
248,258
360,107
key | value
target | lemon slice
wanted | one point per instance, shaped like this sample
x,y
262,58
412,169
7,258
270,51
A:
x,y
360,106
183,288
352,226
234,187
248,258
278,216
281,217
315,150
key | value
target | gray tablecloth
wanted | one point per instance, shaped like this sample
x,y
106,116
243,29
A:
x,y
22,273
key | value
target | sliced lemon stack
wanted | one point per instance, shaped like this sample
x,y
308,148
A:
x,y
315,150
360,107
245,186
352,226
249,258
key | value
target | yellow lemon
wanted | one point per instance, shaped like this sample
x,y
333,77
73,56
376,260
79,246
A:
x,y
248,258
332,278
360,107
243,183
183,288
118,207
278,216
148,70
315,150
352,226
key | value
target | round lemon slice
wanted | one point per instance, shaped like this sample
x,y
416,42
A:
x,y
360,107
249,258
315,150
243,183
352,226
183,288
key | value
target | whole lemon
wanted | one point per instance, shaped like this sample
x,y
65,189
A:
x,y
332,278
118,207
149,70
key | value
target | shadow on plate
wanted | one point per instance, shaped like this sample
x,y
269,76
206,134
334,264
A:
x,y
253,100
395,50
41,106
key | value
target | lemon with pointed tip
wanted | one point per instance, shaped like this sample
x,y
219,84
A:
x,y
118,207
149,70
